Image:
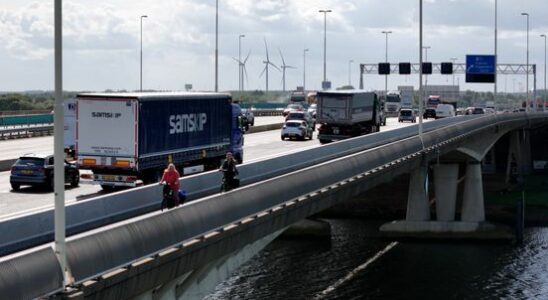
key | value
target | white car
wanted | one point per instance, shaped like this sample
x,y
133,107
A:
x,y
297,129
445,111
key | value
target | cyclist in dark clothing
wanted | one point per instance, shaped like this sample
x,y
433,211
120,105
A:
x,y
229,173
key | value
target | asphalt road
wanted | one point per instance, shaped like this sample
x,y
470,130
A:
x,y
257,146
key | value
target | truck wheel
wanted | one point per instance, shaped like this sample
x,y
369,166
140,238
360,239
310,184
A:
x,y
107,188
283,139
75,180
323,141
15,186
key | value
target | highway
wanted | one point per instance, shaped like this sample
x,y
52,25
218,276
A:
x,y
257,146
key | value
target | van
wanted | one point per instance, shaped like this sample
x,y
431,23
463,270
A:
x,y
445,111
407,114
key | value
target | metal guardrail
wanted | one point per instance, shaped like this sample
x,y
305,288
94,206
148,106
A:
x,y
136,239
25,131
267,112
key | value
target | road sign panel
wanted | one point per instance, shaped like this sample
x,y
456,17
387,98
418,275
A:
x,y
480,68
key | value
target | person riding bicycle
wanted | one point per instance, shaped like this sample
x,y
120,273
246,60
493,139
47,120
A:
x,y
230,171
171,179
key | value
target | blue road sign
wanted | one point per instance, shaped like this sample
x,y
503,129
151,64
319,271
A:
x,y
480,68
480,64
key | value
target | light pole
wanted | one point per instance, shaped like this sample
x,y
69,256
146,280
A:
x,y
349,72
240,67
324,11
216,45
141,73
453,59
527,66
304,69
386,33
544,98
496,58
421,96
58,161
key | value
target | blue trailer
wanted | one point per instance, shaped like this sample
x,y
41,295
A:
x,y
126,137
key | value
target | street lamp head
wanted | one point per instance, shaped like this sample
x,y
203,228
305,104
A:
x,y
306,50
543,35
144,16
386,32
325,10
242,35
525,14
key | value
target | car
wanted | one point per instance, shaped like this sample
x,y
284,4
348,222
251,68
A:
x,y
298,129
475,111
37,170
312,110
460,111
292,107
248,114
302,115
407,114
445,111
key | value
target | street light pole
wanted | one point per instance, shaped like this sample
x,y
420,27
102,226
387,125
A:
x,y
349,72
544,98
496,56
324,41
527,66
141,65
421,96
304,69
453,59
240,65
386,33
216,45
59,159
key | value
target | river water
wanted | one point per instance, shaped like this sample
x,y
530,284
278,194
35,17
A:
x,y
356,264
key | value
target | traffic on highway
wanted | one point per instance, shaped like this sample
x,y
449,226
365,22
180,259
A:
x,y
257,146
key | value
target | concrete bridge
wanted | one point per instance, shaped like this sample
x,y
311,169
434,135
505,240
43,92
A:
x,y
185,252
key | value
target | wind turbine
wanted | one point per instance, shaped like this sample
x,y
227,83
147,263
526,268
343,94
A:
x,y
267,62
284,66
242,69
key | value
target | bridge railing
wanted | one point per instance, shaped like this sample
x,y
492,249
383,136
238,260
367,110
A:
x,y
136,239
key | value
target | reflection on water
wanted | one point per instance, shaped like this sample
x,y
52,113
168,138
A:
x,y
289,269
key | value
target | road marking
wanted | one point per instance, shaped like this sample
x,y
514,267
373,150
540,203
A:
x,y
354,272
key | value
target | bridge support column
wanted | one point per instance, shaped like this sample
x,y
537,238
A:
x,y
418,208
473,209
445,185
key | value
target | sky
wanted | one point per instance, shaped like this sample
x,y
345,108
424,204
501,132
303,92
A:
x,y
101,41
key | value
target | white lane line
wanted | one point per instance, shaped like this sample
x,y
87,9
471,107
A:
x,y
354,272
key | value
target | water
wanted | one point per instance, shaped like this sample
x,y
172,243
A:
x,y
358,265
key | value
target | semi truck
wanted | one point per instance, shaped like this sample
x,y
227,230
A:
x,y
392,104
345,114
124,138
69,107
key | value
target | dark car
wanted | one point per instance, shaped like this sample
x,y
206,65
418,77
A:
x,y
302,115
37,170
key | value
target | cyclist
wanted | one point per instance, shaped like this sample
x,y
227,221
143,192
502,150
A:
x,y
229,173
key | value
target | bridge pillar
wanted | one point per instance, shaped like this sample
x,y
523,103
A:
x,y
445,185
418,208
473,209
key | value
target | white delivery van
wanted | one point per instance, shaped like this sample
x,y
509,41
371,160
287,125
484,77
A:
x,y
445,111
